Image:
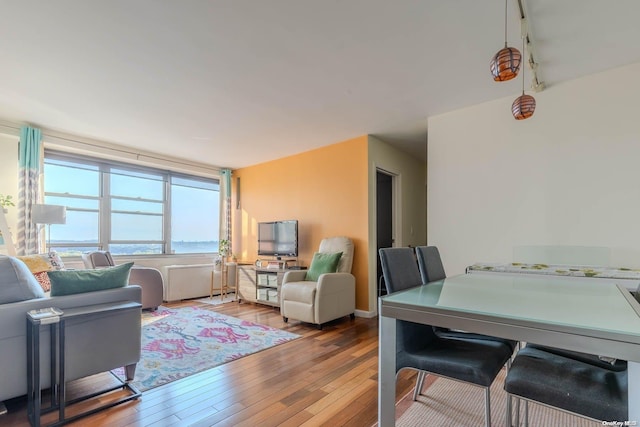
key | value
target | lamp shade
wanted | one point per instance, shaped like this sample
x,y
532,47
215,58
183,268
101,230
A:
x,y
49,214
505,64
523,107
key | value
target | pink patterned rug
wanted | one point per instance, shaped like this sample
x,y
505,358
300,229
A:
x,y
183,341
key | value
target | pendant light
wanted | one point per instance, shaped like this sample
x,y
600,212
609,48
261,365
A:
x,y
524,105
506,63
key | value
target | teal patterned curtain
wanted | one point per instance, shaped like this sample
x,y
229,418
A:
x,y
29,156
225,207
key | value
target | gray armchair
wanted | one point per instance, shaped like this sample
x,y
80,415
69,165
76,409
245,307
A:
x,y
331,297
149,279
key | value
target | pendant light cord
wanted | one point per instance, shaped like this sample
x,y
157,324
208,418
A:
x,y
523,66
505,22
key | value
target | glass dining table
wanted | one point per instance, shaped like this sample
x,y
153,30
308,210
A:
x,y
581,314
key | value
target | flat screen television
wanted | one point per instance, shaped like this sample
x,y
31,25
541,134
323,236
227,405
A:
x,y
278,238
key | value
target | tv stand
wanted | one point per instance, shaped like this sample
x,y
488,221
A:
x,y
260,283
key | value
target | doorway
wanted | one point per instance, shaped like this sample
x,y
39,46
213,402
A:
x,y
384,219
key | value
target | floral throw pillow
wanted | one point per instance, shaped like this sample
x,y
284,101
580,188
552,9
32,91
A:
x,y
40,264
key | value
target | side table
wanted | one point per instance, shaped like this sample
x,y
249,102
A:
x,y
228,270
56,324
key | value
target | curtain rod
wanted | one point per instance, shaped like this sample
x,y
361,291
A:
x,y
69,140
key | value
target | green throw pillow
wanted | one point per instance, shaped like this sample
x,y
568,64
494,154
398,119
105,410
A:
x,y
67,282
323,262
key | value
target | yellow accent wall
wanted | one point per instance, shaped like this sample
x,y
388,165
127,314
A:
x,y
325,189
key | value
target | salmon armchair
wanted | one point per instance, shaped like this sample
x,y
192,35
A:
x,y
149,279
332,296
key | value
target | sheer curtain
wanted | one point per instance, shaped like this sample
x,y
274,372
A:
x,y
225,207
30,155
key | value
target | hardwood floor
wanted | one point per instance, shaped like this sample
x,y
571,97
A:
x,y
326,377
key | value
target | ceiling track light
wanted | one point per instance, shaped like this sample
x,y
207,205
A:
x,y
537,83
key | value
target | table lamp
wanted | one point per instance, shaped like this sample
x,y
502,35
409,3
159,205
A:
x,y
49,214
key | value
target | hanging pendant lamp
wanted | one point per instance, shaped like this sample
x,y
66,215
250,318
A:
x,y
524,105
506,63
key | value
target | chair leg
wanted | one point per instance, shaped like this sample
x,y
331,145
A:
x,y
509,415
487,407
517,412
526,413
419,384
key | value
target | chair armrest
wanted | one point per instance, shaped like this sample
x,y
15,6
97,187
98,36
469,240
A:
x,y
330,283
335,296
143,275
294,276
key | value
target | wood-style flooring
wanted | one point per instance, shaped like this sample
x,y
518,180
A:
x,y
326,377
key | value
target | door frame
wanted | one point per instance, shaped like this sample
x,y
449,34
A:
x,y
396,226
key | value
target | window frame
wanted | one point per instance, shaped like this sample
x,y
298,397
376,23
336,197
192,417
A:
x,y
105,198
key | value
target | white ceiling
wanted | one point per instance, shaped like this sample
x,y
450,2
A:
x,y
238,82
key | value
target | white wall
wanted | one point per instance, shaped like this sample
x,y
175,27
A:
x,y
570,175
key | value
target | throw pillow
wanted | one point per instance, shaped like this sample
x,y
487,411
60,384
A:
x,y
16,281
323,262
41,264
67,282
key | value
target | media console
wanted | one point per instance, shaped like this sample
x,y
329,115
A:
x,y
260,282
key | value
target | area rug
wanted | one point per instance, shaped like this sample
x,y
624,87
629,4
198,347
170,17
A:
x,y
183,341
452,403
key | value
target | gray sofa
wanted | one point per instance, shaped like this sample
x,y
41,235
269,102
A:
x,y
93,344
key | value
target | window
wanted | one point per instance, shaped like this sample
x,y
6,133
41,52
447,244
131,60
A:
x,y
130,210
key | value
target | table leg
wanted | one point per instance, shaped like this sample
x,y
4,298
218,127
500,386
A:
x,y
62,386
53,367
633,372
213,273
33,374
387,372
223,283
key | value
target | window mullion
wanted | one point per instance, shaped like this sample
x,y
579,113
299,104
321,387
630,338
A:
x,y
166,228
105,208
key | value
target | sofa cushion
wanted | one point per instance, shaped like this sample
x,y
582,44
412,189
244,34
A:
x,y
323,262
16,281
41,264
66,282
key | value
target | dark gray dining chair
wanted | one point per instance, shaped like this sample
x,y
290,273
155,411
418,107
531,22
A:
x,y
578,383
431,270
430,264
418,347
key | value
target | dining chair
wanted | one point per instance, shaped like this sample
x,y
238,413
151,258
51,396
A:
x,y
577,383
418,347
431,270
430,264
